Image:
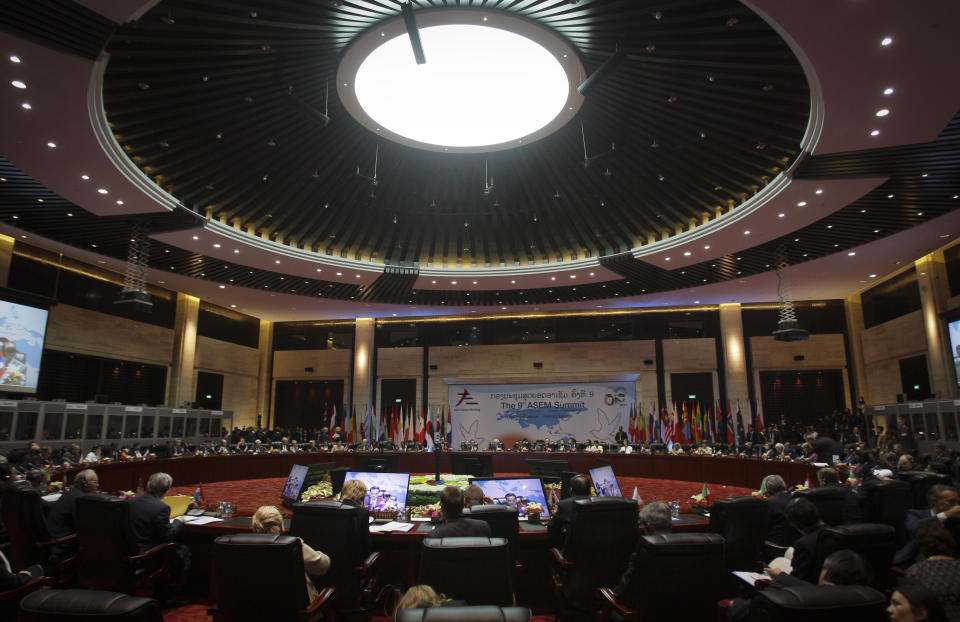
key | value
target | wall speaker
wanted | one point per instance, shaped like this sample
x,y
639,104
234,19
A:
x,y
308,369
434,367
799,357
538,365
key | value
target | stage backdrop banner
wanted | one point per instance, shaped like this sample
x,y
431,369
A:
x,y
580,410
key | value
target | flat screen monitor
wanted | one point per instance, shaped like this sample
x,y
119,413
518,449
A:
x,y
547,468
516,492
374,463
605,482
386,492
295,481
22,330
478,465
954,329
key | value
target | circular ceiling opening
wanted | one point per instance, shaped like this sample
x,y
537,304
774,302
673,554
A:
x,y
490,82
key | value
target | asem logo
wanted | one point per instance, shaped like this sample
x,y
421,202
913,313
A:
x,y
465,396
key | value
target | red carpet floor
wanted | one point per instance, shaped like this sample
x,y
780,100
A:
x,y
248,495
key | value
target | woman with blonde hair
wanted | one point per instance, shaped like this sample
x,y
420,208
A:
x,y
268,519
420,597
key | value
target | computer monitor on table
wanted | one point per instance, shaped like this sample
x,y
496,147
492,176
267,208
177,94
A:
x,y
386,492
478,465
295,481
547,468
605,482
517,492
374,463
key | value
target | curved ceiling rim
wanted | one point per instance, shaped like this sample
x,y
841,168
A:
x,y
737,214
367,42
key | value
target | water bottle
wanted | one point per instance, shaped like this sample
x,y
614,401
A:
x,y
675,508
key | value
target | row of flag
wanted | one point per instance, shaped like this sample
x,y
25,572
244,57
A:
x,y
396,424
694,421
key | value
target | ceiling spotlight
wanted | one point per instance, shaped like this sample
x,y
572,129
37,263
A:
x,y
875,132
666,259
747,232
573,276
888,90
233,306
15,59
873,276
236,250
276,261
781,215
886,41
883,112
216,246
119,202
196,238
819,191
687,253
26,106
801,204
102,190
51,144
84,177
18,84
851,253
222,286
453,282
706,247
341,274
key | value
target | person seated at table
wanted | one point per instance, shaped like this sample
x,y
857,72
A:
x,y
62,517
580,489
37,479
805,518
422,597
473,495
353,493
944,503
912,602
454,524
258,447
779,531
267,519
151,525
625,448
656,520
940,569
337,436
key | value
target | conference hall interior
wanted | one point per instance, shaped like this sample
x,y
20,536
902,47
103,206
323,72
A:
x,y
479,310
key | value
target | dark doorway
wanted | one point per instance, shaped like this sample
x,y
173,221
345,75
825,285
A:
x,y
914,379
696,387
398,392
802,396
308,403
209,390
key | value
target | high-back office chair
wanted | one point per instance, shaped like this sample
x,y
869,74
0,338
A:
x,y
66,605
742,521
600,538
504,523
107,553
483,613
341,532
820,602
260,577
829,501
662,573
887,501
30,542
476,570
875,542
921,482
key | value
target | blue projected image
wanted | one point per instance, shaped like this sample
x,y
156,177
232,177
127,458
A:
x,y
517,493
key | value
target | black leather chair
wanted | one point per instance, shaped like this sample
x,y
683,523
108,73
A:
x,y
875,542
887,501
820,602
260,577
340,531
504,523
921,482
30,542
742,521
484,613
108,557
829,501
58,605
677,576
476,570
601,536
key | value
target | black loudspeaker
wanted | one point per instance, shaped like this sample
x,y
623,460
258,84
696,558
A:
x,y
648,362
799,357
538,365
433,367
308,369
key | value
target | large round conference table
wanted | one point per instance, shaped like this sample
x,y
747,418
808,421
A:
x,y
731,471
401,549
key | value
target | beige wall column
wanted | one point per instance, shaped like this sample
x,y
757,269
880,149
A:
x,y
180,386
853,309
265,373
363,376
734,356
6,252
934,294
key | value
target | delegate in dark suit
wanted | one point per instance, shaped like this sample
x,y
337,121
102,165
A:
x,y
150,520
779,531
61,519
461,528
580,487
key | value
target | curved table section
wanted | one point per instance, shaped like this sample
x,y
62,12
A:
x,y
731,471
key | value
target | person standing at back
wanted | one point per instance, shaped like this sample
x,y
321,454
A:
x,y
454,524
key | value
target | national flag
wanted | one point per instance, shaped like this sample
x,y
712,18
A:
x,y
420,427
806,482
632,430
348,425
643,431
665,432
705,493
707,424
697,422
637,497
449,429
653,430
759,417
731,432
687,436
198,501
739,421
429,431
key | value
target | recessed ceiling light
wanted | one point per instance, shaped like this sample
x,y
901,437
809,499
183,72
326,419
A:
x,y
886,41
451,282
801,204
696,302
829,226
119,202
687,253
666,259
873,276
514,282
26,106
890,196
85,177
819,191
503,308
51,144
888,90
924,175
341,274
277,261
919,213
591,274
876,231
851,253
216,246
874,132
236,250
222,286
15,59
18,84
553,278
573,276
883,112
474,282
102,190
781,215
233,306
69,214
747,232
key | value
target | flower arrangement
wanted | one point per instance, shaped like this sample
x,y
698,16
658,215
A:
x,y
701,501
533,511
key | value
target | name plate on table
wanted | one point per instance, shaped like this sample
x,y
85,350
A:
x,y
76,406
133,409
8,403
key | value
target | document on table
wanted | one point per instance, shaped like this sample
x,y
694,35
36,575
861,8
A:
x,y
51,497
201,520
752,577
391,526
